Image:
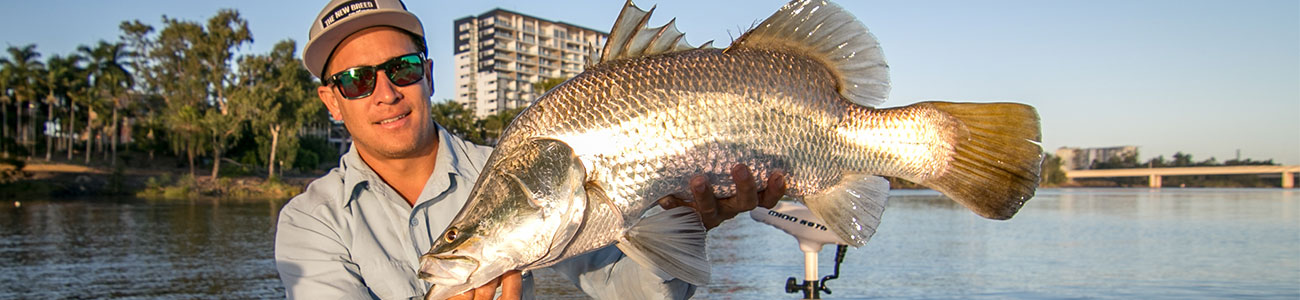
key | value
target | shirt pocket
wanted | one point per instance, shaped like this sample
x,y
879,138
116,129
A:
x,y
390,279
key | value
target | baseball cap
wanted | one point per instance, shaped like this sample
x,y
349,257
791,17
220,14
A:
x,y
341,18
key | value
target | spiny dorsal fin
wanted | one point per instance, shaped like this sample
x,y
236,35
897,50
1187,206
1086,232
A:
x,y
630,38
826,32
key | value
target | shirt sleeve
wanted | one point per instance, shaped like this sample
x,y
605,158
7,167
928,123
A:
x,y
313,261
608,274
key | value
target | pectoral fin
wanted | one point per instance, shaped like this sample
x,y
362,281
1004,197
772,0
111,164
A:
x,y
671,241
852,208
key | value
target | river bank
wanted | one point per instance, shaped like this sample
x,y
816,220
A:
x,y
28,179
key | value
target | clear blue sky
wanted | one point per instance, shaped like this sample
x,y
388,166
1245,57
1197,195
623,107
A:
x,y
1203,77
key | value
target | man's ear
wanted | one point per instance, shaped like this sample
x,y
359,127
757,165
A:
x,y
428,75
326,95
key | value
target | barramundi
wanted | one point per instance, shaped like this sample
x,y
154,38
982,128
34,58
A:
x,y
582,167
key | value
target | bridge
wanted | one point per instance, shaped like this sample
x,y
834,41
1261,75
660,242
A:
x,y
1155,175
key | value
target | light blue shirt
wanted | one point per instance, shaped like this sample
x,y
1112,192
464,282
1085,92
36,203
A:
x,y
351,236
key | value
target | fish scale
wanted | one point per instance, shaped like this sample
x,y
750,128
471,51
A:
x,y
579,169
715,116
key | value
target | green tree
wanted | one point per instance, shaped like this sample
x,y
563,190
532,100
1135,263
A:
x,y
64,75
1052,172
458,120
190,67
173,64
79,93
6,83
225,32
1126,161
277,93
494,125
1157,162
1182,160
112,81
541,87
146,105
22,79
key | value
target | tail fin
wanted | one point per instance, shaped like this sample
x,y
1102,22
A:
x,y
995,169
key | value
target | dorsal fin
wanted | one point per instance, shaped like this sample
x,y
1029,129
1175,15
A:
x,y
827,33
630,38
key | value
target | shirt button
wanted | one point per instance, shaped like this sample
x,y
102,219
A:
x,y
415,222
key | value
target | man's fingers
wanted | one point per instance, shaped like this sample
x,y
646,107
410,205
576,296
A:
x,y
670,202
704,201
746,196
511,285
774,191
487,290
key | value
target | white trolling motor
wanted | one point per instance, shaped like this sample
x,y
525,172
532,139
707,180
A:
x,y
795,219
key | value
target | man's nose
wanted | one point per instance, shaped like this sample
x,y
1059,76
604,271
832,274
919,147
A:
x,y
385,90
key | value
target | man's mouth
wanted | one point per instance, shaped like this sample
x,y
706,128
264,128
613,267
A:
x,y
394,119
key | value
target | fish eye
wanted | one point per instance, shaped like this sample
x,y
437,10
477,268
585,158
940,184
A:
x,y
451,234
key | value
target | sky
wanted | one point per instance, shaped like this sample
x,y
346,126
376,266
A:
x,y
1207,78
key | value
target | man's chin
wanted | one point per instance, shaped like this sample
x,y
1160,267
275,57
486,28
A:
x,y
395,147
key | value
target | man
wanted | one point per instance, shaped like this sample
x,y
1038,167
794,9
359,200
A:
x,y
358,231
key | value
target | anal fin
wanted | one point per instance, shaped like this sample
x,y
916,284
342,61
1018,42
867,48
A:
x,y
671,241
852,207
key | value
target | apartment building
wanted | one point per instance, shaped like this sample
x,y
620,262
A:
x,y
500,54
1084,158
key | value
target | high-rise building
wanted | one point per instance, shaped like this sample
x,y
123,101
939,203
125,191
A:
x,y
1085,158
500,54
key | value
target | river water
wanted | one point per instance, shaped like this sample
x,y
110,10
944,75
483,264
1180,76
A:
x,y
1064,244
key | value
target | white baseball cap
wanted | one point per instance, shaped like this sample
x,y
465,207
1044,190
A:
x,y
341,18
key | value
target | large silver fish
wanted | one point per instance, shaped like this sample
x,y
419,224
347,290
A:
x,y
579,169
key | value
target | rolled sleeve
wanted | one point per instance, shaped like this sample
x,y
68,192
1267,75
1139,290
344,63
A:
x,y
313,260
607,274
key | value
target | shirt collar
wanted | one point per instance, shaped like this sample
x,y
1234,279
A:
x,y
451,160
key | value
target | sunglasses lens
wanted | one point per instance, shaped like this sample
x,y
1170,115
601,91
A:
x,y
356,83
406,70
359,82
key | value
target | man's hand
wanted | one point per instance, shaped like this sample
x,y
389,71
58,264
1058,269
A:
x,y
713,210
510,283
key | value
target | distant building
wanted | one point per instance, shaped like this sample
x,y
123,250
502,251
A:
x,y
500,54
1085,158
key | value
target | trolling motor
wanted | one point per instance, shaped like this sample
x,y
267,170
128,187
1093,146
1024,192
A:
x,y
795,219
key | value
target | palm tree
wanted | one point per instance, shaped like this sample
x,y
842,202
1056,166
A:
x,y
111,79
23,66
457,119
494,125
61,74
5,99
78,92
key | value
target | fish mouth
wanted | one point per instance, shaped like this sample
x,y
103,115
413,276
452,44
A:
x,y
445,269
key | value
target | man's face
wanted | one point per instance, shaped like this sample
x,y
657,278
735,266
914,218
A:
x,y
393,122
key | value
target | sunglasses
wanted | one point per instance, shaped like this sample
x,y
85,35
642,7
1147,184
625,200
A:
x,y
359,82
